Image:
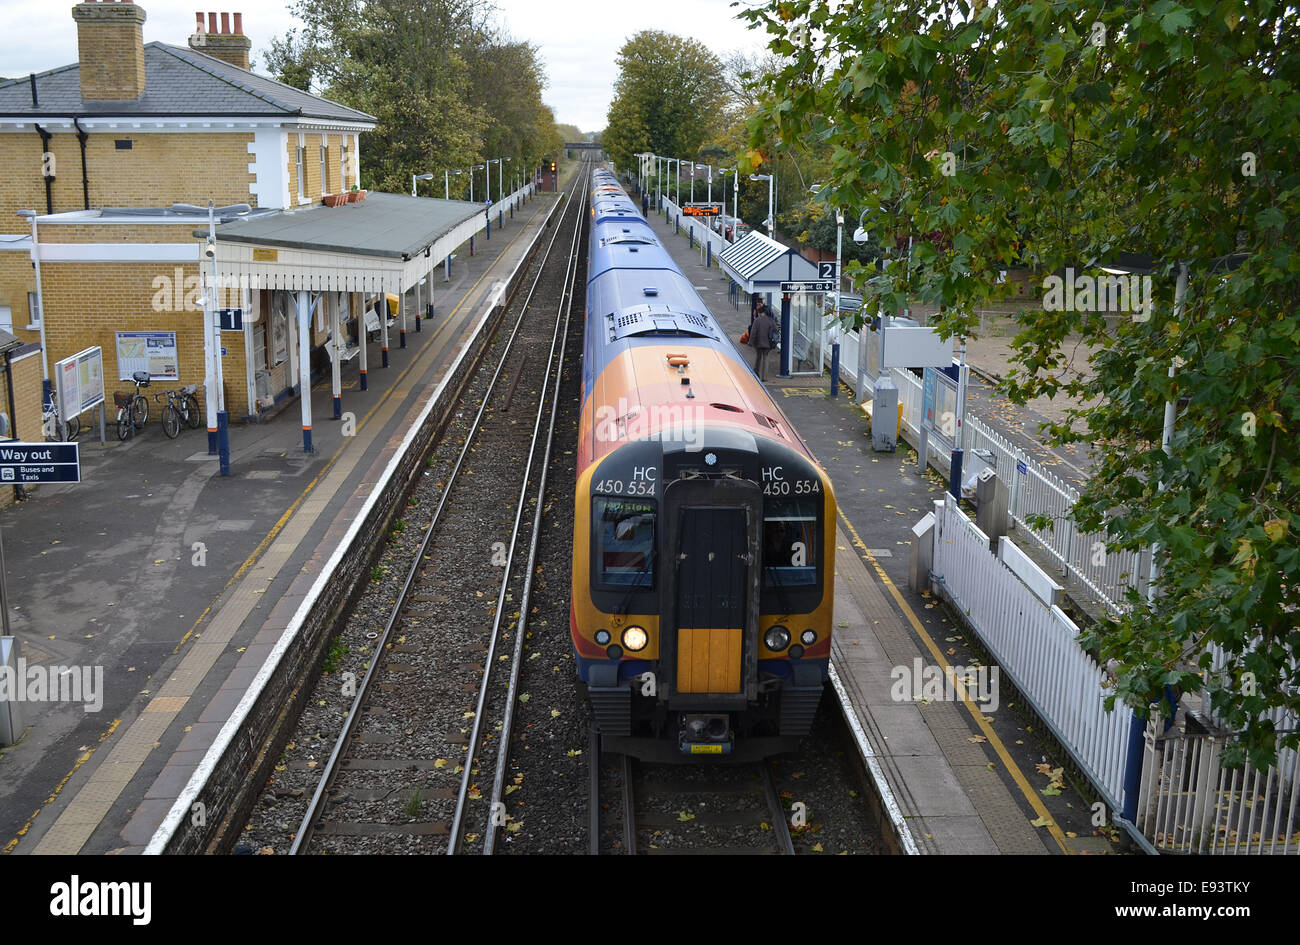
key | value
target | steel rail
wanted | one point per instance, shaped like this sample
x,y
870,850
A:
x,y
516,661
306,827
453,842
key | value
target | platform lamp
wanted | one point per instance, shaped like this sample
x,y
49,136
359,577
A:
x,y
415,177
214,395
771,220
446,194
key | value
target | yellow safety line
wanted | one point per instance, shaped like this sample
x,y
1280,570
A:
x,y
275,530
993,740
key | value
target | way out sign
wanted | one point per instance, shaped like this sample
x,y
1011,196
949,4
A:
x,y
22,463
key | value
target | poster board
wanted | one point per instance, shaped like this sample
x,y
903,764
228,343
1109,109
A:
x,y
152,351
79,382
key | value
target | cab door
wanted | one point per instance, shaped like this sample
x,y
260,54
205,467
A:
x,y
712,536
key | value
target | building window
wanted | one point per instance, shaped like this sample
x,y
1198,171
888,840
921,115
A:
x,y
324,186
6,319
302,167
33,310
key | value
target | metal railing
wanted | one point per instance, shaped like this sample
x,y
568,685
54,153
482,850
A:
x,y
1034,490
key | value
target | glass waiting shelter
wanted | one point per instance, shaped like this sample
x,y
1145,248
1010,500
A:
x,y
759,265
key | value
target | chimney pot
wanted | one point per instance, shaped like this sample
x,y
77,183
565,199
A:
x,y
239,24
212,22
225,23
198,22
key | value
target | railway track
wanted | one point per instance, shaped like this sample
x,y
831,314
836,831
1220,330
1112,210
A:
x,y
685,809
419,764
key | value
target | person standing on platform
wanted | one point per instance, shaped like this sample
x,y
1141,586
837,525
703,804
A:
x,y
761,331
645,204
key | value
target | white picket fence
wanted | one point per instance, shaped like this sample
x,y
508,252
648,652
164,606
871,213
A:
x,y
1036,646
1191,803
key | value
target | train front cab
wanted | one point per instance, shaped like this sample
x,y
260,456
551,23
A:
x,y
720,554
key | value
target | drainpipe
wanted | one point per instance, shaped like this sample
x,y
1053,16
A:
x,y
20,492
49,180
85,179
30,215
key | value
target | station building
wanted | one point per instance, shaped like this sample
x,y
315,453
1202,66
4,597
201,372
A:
x,y
110,165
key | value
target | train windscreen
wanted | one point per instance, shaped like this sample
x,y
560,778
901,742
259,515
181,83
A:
x,y
790,542
625,542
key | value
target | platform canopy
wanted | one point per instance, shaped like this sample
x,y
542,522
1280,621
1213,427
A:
x,y
760,264
385,243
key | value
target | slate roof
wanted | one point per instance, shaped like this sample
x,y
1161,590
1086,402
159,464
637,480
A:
x,y
392,225
179,82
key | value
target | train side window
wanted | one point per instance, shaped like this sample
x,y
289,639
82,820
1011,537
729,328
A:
x,y
625,542
790,542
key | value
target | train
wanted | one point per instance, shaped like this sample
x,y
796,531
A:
x,y
702,591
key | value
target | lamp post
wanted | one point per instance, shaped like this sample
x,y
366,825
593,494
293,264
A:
x,y
214,394
415,177
446,182
771,216
446,195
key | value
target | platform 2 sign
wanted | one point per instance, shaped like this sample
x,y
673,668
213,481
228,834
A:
x,y
22,463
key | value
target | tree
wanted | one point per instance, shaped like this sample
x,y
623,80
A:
x,y
447,88
668,98
1066,133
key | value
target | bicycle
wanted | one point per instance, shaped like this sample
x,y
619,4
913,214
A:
x,y
50,422
189,405
182,408
140,403
126,425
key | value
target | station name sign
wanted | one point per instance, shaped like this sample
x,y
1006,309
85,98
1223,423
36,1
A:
x,y
40,462
701,210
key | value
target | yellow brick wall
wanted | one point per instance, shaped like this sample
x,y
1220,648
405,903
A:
x,y
114,66
120,233
158,170
127,299
17,278
26,423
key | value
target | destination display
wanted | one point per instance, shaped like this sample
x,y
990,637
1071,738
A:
x,y
701,210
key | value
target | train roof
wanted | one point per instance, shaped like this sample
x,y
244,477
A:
x,y
625,245
624,303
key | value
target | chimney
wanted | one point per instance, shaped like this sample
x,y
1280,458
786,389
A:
x,y
229,45
110,50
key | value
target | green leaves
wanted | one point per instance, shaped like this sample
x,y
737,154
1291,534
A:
x,y
1170,134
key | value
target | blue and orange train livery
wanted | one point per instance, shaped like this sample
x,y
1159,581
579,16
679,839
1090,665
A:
x,y
704,532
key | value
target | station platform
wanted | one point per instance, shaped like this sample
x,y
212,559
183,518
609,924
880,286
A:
x,y
950,778
165,575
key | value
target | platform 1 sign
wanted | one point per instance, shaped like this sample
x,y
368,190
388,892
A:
x,y
22,463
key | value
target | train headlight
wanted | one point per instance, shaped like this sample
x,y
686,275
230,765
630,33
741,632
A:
x,y
809,637
602,637
635,638
777,638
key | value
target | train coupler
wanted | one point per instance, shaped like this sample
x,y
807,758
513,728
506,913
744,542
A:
x,y
706,735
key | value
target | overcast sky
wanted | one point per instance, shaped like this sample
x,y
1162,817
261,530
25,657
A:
x,y
579,39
